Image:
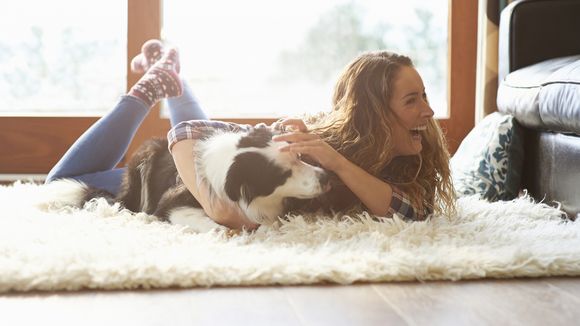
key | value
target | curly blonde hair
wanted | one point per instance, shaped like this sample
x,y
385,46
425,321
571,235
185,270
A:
x,y
361,108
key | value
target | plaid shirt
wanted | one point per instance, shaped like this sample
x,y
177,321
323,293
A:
x,y
401,204
201,129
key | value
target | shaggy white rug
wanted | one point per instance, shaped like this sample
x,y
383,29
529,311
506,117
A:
x,y
47,247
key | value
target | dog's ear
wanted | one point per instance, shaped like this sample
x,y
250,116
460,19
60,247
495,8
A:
x,y
248,193
258,137
252,175
244,191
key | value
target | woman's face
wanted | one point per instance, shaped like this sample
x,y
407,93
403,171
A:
x,y
410,105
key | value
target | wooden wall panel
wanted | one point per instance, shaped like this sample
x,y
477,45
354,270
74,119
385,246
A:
x,y
462,64
34,144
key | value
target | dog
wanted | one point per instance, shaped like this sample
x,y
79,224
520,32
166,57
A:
x,y
244,168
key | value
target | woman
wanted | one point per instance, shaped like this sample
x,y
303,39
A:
x,y
380,139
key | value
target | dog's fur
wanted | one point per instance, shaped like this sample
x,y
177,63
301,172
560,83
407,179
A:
x,y
245,168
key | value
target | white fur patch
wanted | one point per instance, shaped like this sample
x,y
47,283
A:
x,y
217,155
59,194
194,218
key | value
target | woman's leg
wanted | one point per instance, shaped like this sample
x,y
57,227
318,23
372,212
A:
x,y
183,108
94,155
109,180
103,145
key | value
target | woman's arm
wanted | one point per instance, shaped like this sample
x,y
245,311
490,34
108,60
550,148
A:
x,y
220,211
182,138
378,196
373,192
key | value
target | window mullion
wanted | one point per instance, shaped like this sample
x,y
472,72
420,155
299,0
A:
x,y
144,23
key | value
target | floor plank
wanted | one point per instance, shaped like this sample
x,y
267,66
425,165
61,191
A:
x,y
440,303
341,305
568,285
216,306
542,301
487,302
242,306
97,308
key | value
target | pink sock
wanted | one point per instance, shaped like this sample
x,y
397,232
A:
x,y
151,52
160,81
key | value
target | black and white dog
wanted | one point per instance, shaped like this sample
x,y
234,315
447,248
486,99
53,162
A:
x,y
245,168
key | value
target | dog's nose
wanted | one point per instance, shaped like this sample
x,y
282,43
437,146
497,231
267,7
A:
x,y
324,179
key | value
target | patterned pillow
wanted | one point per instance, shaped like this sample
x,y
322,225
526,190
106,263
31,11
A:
x,y
489,160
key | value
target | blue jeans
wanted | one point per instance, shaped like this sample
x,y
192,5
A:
x,y
95,154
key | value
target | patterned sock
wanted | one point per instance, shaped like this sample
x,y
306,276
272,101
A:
x,y
151,52
160,81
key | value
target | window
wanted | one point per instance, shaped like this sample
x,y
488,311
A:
x,y
62,57
261,58
31,142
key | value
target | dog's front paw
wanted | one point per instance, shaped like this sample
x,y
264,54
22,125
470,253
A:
x,y
194,218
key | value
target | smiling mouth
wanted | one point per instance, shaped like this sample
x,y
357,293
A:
x,y
416,132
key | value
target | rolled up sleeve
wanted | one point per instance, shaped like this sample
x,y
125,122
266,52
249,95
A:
x,y
200,129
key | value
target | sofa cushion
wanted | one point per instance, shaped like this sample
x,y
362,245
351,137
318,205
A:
x,y
545,95
489,160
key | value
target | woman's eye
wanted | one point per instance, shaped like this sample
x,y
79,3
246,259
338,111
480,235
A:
x,y
410,101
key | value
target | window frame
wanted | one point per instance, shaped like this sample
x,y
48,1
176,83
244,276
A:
x,y
33,144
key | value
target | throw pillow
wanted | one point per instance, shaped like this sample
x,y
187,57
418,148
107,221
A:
x,y
489,160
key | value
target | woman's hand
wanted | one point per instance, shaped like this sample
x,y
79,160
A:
x,y
374,193
303,142
221,211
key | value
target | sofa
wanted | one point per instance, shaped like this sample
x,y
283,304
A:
x,y
539,85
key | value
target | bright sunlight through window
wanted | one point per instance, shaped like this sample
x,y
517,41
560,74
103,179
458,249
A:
x,y
62,57
261,58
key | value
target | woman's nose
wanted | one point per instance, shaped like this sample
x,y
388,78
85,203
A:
x,y
427,111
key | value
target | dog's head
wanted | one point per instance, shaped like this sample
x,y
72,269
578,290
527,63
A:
x,y
252,171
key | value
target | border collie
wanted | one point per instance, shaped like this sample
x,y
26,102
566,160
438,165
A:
x,y
245,168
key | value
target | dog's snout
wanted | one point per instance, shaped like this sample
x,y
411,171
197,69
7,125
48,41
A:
x,y
324,179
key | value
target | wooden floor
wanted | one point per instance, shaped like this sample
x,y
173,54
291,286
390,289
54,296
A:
x,y
545,301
